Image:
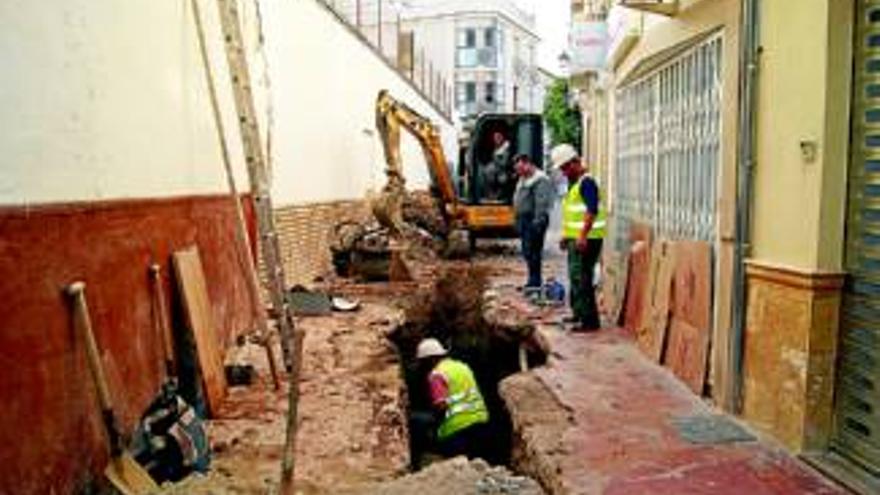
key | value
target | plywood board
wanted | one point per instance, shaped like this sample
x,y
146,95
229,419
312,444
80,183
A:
x,y
652,333
637,285
693,283
686,354
615,271
690,329
198,313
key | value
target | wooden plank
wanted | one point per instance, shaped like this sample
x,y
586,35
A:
x,y
686,354
690,329
693,283
652,332
615,267
199,319
637,286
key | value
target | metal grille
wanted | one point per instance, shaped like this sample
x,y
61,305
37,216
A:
x,y
857,417
668,147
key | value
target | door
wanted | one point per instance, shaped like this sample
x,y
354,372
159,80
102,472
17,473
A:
x,y
857,408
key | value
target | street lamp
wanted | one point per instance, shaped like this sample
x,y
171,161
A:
x,y
564,64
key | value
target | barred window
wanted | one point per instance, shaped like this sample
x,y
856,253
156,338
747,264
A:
x,y
667,145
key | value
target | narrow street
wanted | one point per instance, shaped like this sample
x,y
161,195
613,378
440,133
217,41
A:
x,y
440,247
598,417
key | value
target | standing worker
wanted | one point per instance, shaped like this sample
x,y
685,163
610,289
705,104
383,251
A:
x,y
464,422
583,229
532,202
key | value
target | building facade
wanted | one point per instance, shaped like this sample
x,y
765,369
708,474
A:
x,y
719,131
490,48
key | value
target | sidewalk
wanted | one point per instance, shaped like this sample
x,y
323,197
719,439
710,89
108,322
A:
x,y
616,429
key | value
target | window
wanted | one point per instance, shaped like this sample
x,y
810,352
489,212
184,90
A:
x,y
466,38
668,146
470,90
490,92
466,57
489,37
466,42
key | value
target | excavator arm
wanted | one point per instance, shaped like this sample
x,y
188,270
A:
x,y
391,116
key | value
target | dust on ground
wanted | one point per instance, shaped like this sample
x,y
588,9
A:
x,y
352,425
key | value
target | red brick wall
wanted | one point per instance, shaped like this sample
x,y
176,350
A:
x,y
51,435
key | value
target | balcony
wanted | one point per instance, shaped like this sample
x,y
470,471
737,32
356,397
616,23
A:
x,y
663,7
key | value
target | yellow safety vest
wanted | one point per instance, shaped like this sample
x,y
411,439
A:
x,y
464,404
574,209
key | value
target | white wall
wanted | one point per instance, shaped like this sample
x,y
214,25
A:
x,y
324,87
103,99
108,100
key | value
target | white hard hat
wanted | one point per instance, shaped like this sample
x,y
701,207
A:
x,y
430,348
562,154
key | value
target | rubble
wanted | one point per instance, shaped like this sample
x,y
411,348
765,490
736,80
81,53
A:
x,y
457,476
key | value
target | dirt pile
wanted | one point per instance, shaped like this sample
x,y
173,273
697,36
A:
x,y
421,209
457,476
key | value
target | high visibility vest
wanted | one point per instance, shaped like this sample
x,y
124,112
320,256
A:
x,y
464,404
574,209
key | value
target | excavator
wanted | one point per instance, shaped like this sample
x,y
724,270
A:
x,y
474,196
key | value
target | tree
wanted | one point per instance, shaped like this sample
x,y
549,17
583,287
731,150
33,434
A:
x,y
563,121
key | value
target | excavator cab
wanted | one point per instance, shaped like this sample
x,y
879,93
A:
x,y
486,178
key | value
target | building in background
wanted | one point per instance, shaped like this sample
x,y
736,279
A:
x,y
489,47
589,80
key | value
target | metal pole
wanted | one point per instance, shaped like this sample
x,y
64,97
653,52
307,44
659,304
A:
x,y
397,41
357,14
423,69
431,80
379,23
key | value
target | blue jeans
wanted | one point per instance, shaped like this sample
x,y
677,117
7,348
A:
x,y
531,236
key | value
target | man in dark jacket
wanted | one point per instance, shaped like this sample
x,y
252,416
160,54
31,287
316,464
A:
x,y
533,202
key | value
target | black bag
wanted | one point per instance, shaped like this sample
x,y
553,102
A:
x,y
170,441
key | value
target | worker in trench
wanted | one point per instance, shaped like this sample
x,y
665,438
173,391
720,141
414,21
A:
x,y
460,412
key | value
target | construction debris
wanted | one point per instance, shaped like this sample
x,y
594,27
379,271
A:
x,y
457,476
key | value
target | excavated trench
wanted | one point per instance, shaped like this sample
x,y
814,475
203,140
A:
x,y
455,312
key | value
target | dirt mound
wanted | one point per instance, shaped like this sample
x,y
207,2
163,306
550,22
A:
x,y
457,476
421,208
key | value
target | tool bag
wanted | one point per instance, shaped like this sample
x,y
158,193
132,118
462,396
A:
x,y
170,441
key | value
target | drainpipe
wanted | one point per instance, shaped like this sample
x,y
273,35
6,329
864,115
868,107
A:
x,y
748,85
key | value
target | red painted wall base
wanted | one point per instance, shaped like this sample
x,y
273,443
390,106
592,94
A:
x,y
51,436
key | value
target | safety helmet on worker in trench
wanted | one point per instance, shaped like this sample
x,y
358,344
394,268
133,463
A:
x,y
430,348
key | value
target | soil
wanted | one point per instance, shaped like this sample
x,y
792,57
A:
x,y
353,432
352,427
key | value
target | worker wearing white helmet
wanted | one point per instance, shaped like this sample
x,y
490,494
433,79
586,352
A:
x,y
583,231
454,393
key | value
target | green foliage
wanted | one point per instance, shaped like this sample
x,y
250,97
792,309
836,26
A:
x,y
563,121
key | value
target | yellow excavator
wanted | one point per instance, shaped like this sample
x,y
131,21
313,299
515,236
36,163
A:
x,y
475,195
